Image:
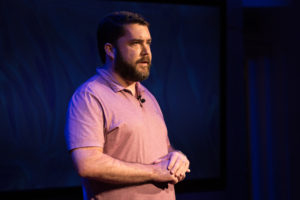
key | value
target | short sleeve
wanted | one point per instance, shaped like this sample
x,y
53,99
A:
x,y
84,122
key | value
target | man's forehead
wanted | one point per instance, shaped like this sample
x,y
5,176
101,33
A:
x,y
137,31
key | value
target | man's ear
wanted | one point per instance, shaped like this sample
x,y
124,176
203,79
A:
x,y
109,50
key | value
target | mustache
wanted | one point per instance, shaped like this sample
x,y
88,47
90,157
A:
x,y
142,60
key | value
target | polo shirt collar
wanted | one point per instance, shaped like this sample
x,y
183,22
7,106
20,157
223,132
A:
x,y
114,84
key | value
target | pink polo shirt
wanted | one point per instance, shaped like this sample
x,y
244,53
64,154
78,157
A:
x,y
104,114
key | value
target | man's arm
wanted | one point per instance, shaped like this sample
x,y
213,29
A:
x,y
92,163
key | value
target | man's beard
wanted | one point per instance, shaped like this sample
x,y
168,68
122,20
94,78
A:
x,y
130,72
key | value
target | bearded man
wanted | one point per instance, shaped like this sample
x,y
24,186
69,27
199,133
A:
x,y
115,129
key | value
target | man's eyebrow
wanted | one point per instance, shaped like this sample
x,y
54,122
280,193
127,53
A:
x,y
135,40
139,40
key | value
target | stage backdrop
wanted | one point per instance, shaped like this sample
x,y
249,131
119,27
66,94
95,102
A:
x,y
48,48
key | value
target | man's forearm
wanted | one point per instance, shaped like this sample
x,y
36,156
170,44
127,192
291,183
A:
x,y
92,164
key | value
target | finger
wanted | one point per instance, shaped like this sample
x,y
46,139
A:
x,y
184,168
180,166
176,167
181,169
181,178
175,180
172,161
188,170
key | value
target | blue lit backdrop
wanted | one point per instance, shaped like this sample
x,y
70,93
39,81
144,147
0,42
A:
x,y
48,48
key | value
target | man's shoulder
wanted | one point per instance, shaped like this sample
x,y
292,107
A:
x,y
93,84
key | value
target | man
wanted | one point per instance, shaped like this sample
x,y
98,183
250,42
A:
x,y
115,129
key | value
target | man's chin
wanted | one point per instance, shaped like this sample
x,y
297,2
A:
x,y
144,73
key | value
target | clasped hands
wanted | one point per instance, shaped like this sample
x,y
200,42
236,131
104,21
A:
x,y
178,164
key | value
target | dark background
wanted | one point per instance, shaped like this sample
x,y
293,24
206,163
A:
x,y
50,49
262,133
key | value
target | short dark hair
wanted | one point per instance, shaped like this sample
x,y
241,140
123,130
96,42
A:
x,y
110,28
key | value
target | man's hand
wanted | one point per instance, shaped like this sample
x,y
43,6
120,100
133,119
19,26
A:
x,y
178,164
162,174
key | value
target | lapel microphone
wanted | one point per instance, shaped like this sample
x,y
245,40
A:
x,y
142,100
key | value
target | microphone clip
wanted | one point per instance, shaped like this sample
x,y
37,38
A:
x,y
142,100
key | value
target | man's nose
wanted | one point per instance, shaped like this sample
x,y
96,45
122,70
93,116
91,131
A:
x,y
145,49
